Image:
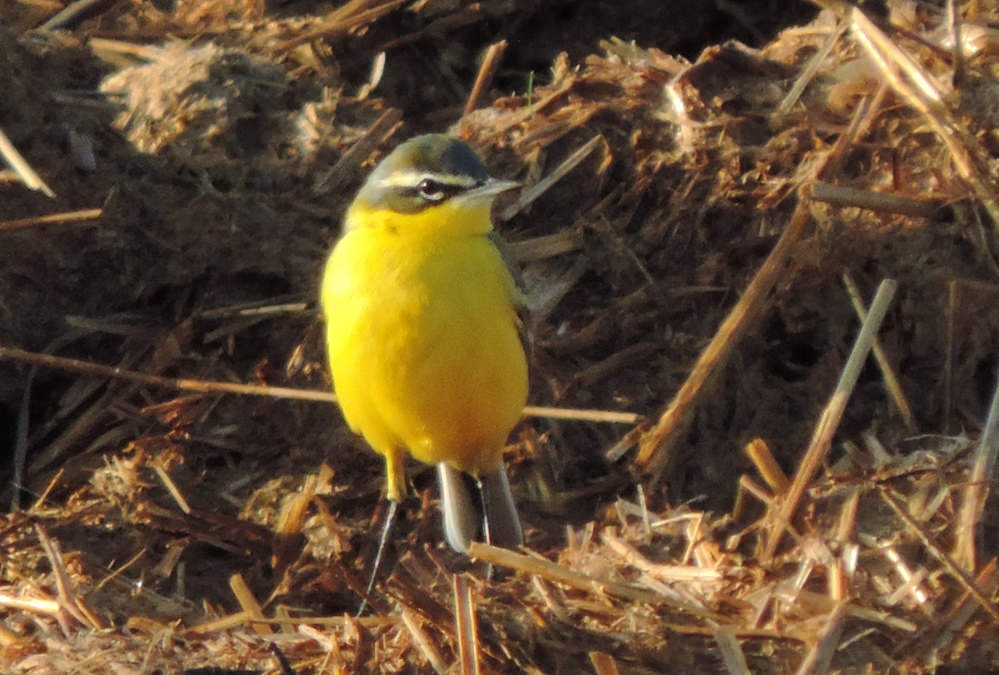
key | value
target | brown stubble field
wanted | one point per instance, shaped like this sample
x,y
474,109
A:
x,y
707,197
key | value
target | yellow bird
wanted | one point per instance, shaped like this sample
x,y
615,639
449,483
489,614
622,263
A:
x,y
423,336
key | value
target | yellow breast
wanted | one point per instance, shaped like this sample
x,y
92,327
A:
x,y
422,336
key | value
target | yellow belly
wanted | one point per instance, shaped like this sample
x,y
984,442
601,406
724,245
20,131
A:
x,y
423,345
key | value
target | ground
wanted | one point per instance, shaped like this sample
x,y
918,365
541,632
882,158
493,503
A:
x,y
222,143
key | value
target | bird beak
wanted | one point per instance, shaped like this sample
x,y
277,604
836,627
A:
x,y
490,188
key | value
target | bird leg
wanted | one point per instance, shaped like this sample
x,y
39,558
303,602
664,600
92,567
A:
x,y
382,541
484,497
395,478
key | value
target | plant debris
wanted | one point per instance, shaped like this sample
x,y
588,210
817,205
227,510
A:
x,y
710,250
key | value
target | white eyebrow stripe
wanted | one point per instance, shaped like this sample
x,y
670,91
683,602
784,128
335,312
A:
x,y
413,178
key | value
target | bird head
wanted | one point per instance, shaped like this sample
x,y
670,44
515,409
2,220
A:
x,y
432,181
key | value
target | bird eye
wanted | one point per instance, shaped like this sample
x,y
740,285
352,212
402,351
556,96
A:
x,y
431,190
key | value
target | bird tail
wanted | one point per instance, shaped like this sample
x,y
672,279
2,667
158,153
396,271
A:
x,y
463,514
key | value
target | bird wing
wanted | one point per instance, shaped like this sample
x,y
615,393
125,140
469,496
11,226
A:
x,y
519,298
